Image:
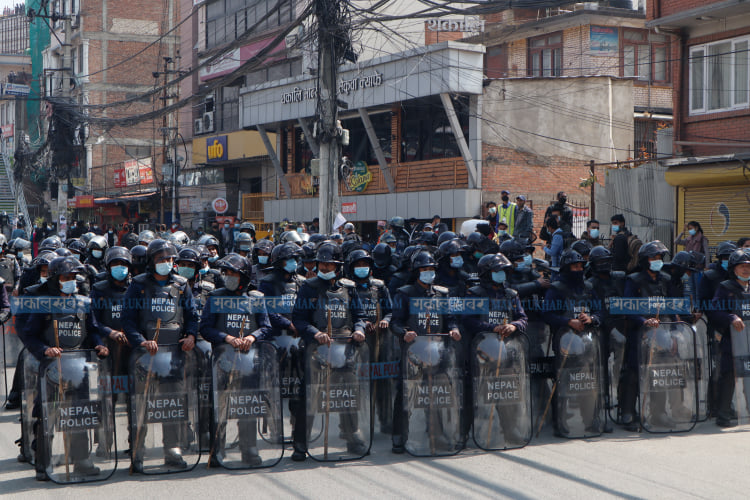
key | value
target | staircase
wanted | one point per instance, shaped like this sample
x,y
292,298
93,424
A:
x,y
8,194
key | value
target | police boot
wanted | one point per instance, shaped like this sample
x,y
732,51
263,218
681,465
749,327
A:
x,y
86,468
173,458
658,411
300,452
627,389
251,457
724,414
14,401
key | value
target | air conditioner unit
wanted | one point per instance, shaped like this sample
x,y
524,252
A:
x,y
208,103
208,121
76,23
198,126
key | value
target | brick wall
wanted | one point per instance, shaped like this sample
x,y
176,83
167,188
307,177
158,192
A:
x,y
662,8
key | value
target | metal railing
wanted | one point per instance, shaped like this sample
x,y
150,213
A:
x,y
16,191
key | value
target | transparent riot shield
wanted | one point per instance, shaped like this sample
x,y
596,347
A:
x,y
338,400
502,391
291,352
614,365
164,410
205,386
247,429
668,384
741,354
4,371
30,410
76,414
116,385
702,367
433,395
579,401
385,371
541,367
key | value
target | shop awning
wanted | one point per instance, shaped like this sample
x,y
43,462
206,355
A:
x,y
707,170
125,198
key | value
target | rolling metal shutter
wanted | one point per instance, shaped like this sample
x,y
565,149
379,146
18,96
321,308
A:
x,y
723,212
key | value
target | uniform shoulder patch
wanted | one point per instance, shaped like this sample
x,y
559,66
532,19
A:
x,y
377,282
440,289
255,294
347,283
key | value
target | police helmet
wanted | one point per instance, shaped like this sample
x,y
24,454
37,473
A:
x,y
97,243
652,249
86,237
209,240
146,236
248,227
179,238
583,247
476,240
129,240
291,237
329,252
60,266
422,258
381,255
281,253
17,245
264,245
237,263
725,249
739,256
51,243
698,261
492,263
682,260
244,242
388,238
118,253
428,238
317,238
513,250
156,248
140,257
600,259
308,252
189,254
448,248
63,252
568,258
406,255
349,246
446,236
356,256
396,222
43,259
76,246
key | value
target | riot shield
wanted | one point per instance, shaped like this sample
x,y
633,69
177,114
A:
x,y
433,395
292,372
502,391
164,410
116,386
702,367
385,371
3,372
579,402
615,359
247,407
205,386
741,354
541,366
30,411
338,400
76,414
668,384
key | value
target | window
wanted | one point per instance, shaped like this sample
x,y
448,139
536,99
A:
x,y
426,133
645,55
201,177
496,62
545,55
719,76
359,148
227,20
229,107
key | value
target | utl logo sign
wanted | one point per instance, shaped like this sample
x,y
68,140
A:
x,y
220,205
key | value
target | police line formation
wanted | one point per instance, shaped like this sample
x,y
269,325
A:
x,y
168,350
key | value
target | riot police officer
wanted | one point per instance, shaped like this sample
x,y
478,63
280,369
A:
x,y
505,316
188,266
243,243
404,275
408,323
213,247
313,311
10,270
139,259
47,335
383,268
306,267
450,273
261,258
95,259
160,296
240,330
730,315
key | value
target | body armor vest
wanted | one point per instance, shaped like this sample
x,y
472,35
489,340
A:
x,y
7,271
286,291
71,328
741,299
337,301
236,324
111,306
500,306
418,317
160,302
368,298
576,301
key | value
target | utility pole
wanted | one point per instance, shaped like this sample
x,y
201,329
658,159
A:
x,y
592,209
330,149
67,66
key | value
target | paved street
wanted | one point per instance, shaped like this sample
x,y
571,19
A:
x,y
705,463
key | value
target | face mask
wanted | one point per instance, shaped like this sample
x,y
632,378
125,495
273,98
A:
x,y
245,248
361,272
563,200
226,226
505,199
478,255
743,279
692,232
493,210
615,229
186,272
656,265
501,232
42,280
290,266
203,270
575,276
725,264
164,268
110,231
97,254
327,276
457,262
427,277
68,287
119,273
299,230
594,233
262,259
498,276
199,233
213,258
232,283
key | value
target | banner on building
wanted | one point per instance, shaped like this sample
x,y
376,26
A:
x,y
137,172
603,41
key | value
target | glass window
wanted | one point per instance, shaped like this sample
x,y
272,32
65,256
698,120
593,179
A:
x,y
545,55
696,79
719,75
645,56
426,132
740,73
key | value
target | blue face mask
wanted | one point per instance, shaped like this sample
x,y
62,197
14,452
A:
x,y
69,287
290,266
692,232
656,265
213,258
743,279
245,248
327,276
615,229
501,232
594,233
164,268
186,272
42,279
97,254
527,260
300,230
119,273
361,272
263,259
427,277
725,264
457,262
203,270
478,255
498,276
